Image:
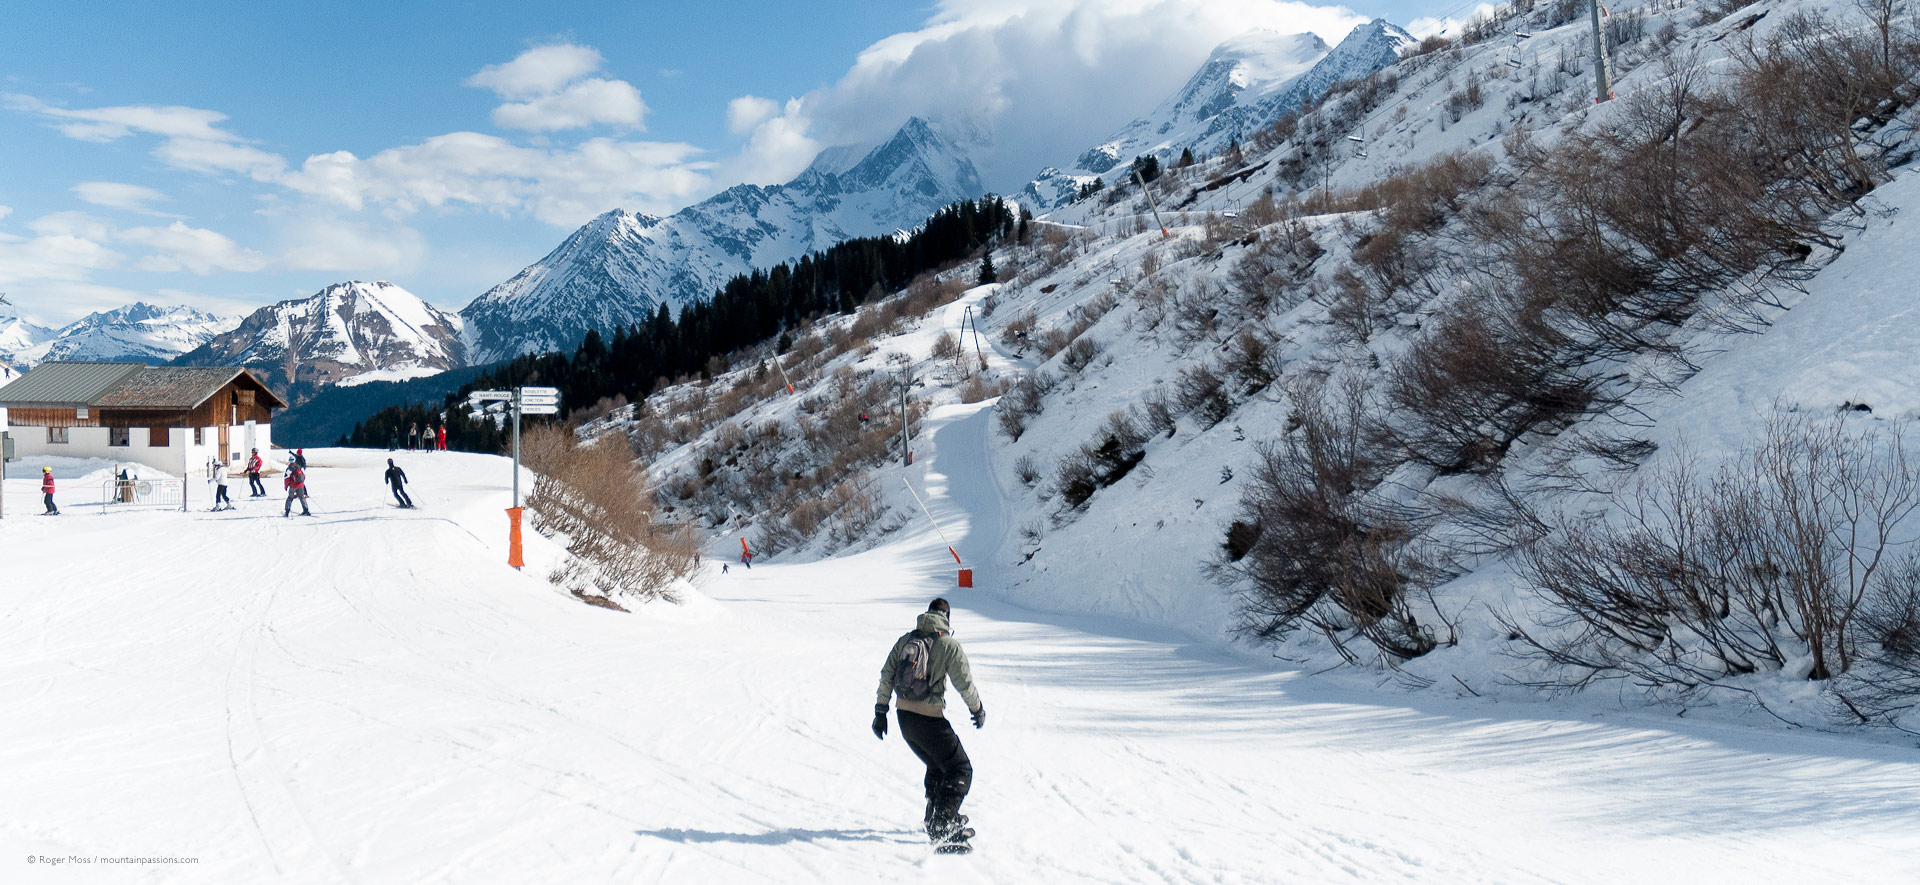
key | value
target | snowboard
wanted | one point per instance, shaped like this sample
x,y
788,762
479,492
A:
x,y
957,842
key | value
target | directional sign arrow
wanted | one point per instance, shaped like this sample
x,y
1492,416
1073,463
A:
x,y
485,395
539,410
541,400
539,391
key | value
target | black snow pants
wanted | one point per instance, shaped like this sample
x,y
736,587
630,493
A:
x,y
253,481
400,496
949,771
220,495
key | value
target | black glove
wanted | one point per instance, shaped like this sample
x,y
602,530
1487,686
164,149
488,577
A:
x,y
880,721
980,716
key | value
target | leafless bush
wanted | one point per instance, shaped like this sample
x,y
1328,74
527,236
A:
x,y
1269,277
1315,548
1251,361
1114,451
1799,547
598,500
1157,413
1080,354
1027,468
1022,402
1200,390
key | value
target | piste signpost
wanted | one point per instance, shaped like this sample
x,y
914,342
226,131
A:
x,y
521,401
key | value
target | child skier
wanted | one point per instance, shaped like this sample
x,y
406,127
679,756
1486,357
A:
x,y
220,499
46,488
296,483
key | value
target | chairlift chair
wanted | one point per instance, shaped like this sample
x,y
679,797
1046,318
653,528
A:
x,y
1361,150
1513,51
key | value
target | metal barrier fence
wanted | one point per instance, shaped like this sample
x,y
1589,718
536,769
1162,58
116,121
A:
x,y
143,494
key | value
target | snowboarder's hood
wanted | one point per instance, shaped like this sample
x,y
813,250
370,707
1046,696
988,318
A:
x,y
932,622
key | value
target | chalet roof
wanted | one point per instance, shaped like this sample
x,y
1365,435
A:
x,y
64,384
61,384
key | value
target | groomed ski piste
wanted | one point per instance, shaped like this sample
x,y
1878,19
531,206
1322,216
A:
x,y
372,695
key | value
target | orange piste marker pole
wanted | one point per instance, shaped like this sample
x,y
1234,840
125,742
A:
x,y
513,538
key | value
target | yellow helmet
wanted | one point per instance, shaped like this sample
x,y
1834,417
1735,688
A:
x,y
46,470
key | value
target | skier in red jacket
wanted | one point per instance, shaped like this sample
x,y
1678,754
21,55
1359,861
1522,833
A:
x,y
254,464
46,488
442,433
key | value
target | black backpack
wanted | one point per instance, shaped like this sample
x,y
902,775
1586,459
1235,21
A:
x,y
910,667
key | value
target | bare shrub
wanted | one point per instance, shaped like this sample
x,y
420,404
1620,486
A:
x,y
1080,354
1316,549
1027,468
1251,361
1022,402
1200,390
599,501
1052,341
1114,452
1157,413
1797,547
1269,277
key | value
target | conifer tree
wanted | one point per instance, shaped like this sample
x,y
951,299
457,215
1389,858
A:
x,y
987,273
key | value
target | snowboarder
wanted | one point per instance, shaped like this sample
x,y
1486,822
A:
x,y
46,488
413,437
254,464
917,669
296,483
442,434
397,478
220,499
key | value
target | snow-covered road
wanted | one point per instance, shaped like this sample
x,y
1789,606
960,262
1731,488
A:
x,y
372,696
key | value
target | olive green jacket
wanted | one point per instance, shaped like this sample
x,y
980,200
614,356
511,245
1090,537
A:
x,y
948,662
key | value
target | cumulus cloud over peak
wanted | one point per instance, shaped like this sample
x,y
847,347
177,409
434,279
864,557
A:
x,y
547,89
1040,80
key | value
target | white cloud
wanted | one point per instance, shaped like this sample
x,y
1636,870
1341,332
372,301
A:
x,y
589,102
72,224
778,148
5,211
538,71
116,195
748,111
547,89
178,247
1051,76
327,243
189,138
560,186
58,256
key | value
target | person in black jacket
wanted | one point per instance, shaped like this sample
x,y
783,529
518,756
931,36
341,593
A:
x,y
395,479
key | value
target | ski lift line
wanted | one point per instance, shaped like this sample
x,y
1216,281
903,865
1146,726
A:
x,y
929,513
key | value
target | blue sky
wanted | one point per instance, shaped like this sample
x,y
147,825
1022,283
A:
x,y
229,155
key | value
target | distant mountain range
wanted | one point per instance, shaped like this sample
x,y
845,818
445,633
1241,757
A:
x,y
138,331
344,334
621,267
1245,84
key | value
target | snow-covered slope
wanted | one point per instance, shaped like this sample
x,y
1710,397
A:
x,y
138,331
1247,83
621,267
373,695
346,331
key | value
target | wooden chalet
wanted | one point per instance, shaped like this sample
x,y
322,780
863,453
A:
x,y
172,418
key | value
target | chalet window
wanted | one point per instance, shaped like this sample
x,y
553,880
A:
x,y
157,437
199,436
246,397
119,436
56,434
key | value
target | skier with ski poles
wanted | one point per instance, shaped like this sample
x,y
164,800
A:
x,y
46,488
296,483
917,670
254,464
220,487
395,479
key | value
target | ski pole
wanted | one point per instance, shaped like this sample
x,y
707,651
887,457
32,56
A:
x,y
929,513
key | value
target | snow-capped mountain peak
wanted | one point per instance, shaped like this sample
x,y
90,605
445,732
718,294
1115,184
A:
x,y
617,269
1246,83
346,333
138,331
